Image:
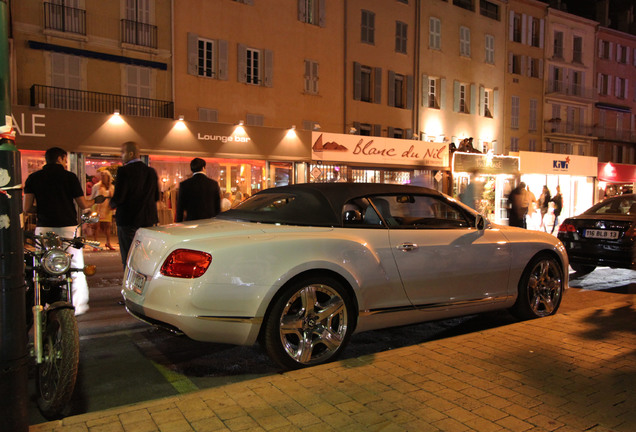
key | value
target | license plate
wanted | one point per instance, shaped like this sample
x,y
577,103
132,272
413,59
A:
x,y
135,281
601,234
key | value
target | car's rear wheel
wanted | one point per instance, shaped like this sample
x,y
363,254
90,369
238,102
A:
x,y
310,323
540,288
582,269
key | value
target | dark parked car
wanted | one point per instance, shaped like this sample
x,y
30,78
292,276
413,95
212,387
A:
x,y
602,236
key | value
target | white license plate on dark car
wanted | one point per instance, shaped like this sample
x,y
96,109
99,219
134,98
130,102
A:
x,y
135,281
601,234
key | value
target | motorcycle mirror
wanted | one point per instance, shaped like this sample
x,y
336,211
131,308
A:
x,y
90,217
100,199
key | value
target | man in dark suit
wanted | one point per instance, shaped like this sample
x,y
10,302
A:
x,y
199,196
135,198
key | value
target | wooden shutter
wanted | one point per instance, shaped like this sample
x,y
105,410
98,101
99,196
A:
x,y
193,54
473,99
242,63
222,60
409,91
269,68
456,96
377,82
482,105
322,14
391,93
442,93
357,81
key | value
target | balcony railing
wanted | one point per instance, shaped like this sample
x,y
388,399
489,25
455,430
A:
x,y
612,134
563,88
80,100
561,127
138,33
64,18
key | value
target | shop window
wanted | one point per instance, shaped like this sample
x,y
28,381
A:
x,y
367,27
435,33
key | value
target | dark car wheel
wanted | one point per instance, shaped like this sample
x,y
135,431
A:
x,y
310,323
582,269
540,288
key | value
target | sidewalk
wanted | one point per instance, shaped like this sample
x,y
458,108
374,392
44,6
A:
x,y
575,371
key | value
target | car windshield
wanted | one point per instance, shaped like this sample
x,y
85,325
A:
x,y
617,206
299,208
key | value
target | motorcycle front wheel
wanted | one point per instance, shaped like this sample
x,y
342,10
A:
x,y
55,379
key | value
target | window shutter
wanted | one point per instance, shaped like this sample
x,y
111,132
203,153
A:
x,y
495,103
473,99
425,90
269,68
356,125
523,65
541,68
611,50
322,13
482,102
529,31
307,76
609,84
511,25
541,26
627,53
391,83
377,97
193,53
600,48
242,63
599,82
314,76
616,86
510,62
442,93
409,91
301,11
357,81
456,96
626,88
409,134
524,26
377,130
618,52
222,60
390,132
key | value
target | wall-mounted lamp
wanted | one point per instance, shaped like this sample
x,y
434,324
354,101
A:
x,y
181,117
240,123
293,127
116,112
41,105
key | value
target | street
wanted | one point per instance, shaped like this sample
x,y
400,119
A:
x,y
124,361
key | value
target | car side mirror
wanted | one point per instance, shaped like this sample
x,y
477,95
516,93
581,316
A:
x,y
352,216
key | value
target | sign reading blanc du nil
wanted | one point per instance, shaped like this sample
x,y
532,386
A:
x,y
377,150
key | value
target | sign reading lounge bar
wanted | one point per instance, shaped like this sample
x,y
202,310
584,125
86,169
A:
x,y
485,164
377,150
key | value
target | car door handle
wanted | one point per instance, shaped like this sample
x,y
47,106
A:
x,y
407,246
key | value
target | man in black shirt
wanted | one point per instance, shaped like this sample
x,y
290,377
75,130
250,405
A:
x,y
199,196
55,192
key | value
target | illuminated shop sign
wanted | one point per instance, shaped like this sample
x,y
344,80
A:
x,y
485,163
555,163
377,150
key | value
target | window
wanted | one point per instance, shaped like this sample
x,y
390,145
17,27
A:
x,y
622,54
367,83
312,12
255,66
576,86
514,144
558,45
400,37
66,74
365,129
532,144
604,50
557,79
532,119
367,27
516,28
206,51
463,104
577,49
464,41
514,113
254,119
65,16
515,64
487,102
136,27
435,33
433,95
396,133
400,90
489,9
603,84
490,49
208,115
535,67
311,77
620,90
466,4
138,85
536,33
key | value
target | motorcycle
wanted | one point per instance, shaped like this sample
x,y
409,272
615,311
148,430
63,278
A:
x,y
55,347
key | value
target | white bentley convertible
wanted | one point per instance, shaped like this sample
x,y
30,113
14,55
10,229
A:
x,y
300,268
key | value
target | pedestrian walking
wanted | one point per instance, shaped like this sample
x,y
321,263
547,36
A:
x,y
529,204
558,207
544,205
516,212
135,198
199,196
104,187
54,191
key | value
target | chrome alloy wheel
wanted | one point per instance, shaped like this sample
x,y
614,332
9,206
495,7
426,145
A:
x,y
313,324
545,286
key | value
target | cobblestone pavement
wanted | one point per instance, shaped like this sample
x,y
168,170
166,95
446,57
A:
x,y
575,371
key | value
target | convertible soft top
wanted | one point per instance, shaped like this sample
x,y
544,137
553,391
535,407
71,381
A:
x,y
314,204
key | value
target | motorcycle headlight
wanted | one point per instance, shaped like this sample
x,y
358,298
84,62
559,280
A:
x,y
56,261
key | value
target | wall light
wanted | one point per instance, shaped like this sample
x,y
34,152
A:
x,y
181,117
116,112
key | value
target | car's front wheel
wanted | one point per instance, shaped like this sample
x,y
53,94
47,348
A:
x,y
540,288
309,323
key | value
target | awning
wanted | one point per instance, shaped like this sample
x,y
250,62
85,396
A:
x,y
616,173
612,107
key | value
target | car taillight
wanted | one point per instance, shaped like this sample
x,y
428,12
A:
x,y
186,263
567,227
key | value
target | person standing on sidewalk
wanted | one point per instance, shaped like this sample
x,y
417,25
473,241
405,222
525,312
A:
x,y
104,187
135,198
55,191
558,207
199,196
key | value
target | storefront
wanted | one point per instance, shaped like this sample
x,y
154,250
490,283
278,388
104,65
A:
x,y
366,159
615,179
241,158
574,175
492,177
